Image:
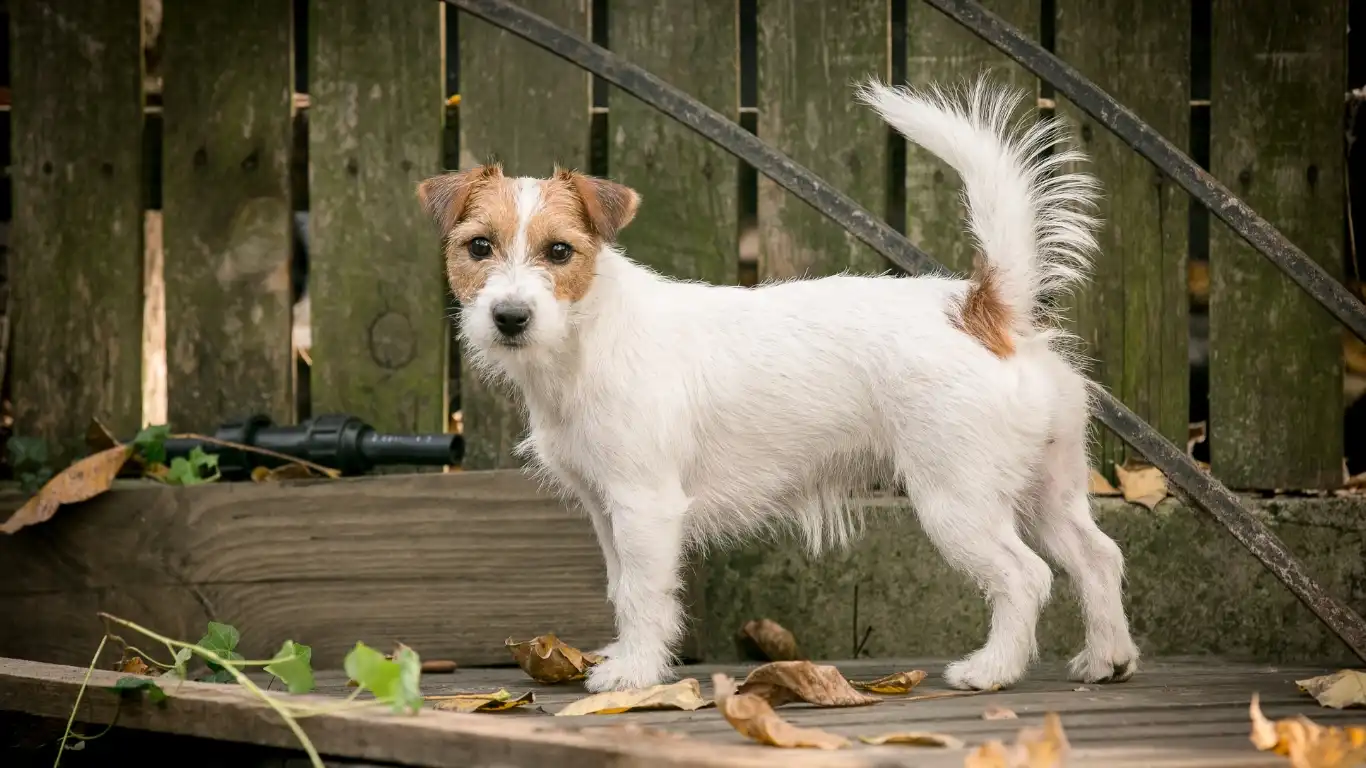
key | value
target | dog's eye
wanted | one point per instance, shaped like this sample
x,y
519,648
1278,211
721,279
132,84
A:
x,y
480,248
559,253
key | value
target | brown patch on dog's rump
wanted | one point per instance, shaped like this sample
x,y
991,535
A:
x,y
984,315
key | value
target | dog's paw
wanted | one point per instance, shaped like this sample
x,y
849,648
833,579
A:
x,y
626,671
1104,667
980,672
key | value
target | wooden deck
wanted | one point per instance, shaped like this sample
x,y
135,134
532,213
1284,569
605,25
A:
x,y
1174,713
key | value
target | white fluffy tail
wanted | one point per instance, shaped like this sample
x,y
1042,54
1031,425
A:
x,y
1033,224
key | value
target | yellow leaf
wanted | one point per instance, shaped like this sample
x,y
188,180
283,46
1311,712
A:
x,y
1097,485
999,713
1306,743
770,640
546,659
1044,747
780,682
915,739
83,480
1142,484
1342,689
754,718
901,682
684,694
498,701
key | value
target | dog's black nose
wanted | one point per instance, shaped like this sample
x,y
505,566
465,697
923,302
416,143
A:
x,y
511,318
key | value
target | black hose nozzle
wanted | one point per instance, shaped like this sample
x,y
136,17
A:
x,y
338,441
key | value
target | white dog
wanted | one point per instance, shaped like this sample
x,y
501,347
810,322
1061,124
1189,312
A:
x,y
676,413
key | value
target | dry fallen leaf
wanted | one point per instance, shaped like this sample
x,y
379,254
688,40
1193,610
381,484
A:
x,y
753,717
134,666
498,701
685,694
901,682
1196,434
1342,689
1044,747
1306,743
83,480
1097,485
283,472
1141,484
438,666
999,713
99,438
769,641
781,682
546,659
915,739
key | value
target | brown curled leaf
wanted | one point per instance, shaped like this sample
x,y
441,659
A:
x,y
753,717
782,682
899,683
498,701
685,695
768,640
83,480
547,659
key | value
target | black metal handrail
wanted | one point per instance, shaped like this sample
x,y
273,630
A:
x,y
1205,492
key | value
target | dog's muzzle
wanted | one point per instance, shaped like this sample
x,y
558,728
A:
x,y
511,318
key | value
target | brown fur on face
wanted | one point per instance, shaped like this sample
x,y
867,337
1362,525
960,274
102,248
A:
x,y
580,211
984,315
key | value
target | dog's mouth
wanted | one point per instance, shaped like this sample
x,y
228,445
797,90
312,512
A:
x,y
515,342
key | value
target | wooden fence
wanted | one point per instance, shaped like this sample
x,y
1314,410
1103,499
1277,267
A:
x,y
378,120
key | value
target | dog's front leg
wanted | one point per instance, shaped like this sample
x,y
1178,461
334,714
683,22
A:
x,y
647,531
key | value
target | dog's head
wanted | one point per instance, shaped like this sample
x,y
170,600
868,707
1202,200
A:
x,y
520,252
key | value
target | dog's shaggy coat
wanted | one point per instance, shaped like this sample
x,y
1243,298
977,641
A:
x,y
678,413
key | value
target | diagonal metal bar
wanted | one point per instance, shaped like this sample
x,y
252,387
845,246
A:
x,y
1202,489
1095,102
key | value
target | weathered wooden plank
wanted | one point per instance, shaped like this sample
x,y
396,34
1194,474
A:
x,y
450,564
529,110
76,270
940,52
688,225
226,209
1133,314
375,273
435,739
1276,88
809,55
1193,715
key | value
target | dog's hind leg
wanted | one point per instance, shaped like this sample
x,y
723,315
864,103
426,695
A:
x,y
974,529
1068,535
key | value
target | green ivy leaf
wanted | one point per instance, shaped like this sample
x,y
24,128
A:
x,y
150,443
293,665
191,470
27,453
218,675
134,686
394,681
221,639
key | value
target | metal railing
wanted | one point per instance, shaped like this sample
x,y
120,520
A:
x,y
1195,485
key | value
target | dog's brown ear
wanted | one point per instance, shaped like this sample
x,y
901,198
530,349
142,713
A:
x,y
608,205
446,197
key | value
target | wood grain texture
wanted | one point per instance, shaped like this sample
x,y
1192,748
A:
x,y
529,110
1184,713
76,279
450,564
1278,75
227,115
688,225
375,273
1133,314
809,56
940,52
